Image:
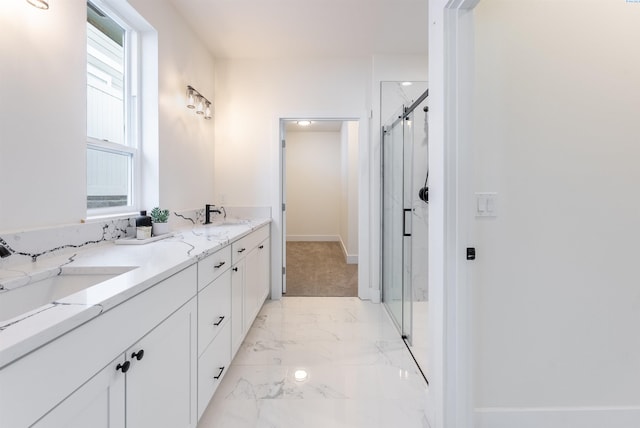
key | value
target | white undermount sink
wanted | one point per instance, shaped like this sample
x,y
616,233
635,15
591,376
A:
x,y
20,300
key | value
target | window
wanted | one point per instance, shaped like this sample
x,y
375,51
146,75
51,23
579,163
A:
x,y
112,142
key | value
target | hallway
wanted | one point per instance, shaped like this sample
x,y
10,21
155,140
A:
x,y
320,362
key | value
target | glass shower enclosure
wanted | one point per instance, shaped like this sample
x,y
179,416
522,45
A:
x,y
405,211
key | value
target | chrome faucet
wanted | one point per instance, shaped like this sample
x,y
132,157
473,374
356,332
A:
x,y
210,208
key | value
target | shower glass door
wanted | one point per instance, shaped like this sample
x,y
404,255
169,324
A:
x,y
396,220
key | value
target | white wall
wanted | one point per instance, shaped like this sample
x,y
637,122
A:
x,y
350,191
251,97
313,186
186,140
252,94
556,296
42,114
43,119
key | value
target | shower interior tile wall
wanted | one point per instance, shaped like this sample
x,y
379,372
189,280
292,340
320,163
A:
x,y
420,224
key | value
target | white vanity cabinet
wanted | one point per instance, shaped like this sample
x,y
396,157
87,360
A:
x,y
99,403
161,382
249,281
238,273
214,324
76,377
262,282
154,360
150,385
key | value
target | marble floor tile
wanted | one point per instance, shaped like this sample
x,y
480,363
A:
x,y
358,370
420,337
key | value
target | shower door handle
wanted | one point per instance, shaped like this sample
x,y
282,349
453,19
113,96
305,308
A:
x,y
404,222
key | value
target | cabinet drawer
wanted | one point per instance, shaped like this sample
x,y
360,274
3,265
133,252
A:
x,y
214,309
212,267
212,366
242,246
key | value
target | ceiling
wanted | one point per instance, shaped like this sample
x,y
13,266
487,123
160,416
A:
x,y
308,28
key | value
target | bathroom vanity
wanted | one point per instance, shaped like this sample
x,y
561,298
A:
x,y
144,348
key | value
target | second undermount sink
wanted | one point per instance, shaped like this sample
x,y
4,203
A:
x,y
20,300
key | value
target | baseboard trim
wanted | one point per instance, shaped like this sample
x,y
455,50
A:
x,y
376,296
569,417
313,238
349,259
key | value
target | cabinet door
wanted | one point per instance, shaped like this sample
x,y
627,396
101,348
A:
x,y
264,271
237,305
161,383
99,403
251,287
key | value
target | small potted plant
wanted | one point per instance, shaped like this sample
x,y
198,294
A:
x,y
159,218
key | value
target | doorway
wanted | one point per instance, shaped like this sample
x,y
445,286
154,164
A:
x,y
320,206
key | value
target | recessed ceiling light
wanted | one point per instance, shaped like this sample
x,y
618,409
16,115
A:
x,y
304,122
300,375
407,83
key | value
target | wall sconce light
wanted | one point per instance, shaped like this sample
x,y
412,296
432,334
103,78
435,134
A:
x,y
197,101
40,4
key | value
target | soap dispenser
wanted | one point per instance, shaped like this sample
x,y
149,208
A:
x,y
143,226
143,219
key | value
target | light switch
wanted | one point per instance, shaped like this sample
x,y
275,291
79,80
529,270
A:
x,y
491,204
486,204
481,203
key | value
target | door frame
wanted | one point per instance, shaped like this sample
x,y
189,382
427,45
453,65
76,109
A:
x,y
278,230
451,62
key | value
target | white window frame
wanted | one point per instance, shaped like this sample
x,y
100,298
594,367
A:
x,y
132,117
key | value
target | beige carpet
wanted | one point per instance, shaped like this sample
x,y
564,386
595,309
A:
x,y
319,269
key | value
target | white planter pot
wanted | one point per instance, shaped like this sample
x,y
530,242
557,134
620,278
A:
x,y
160,228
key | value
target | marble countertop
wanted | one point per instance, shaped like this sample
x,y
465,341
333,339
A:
x,y
149,263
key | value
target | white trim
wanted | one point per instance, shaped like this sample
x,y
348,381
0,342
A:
x,y
314,238
450,66
278,233
122,14
570,417
375,295
350,259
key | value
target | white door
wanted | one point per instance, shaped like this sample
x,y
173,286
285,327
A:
x,y
237,306
251,287
161,382
99,403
